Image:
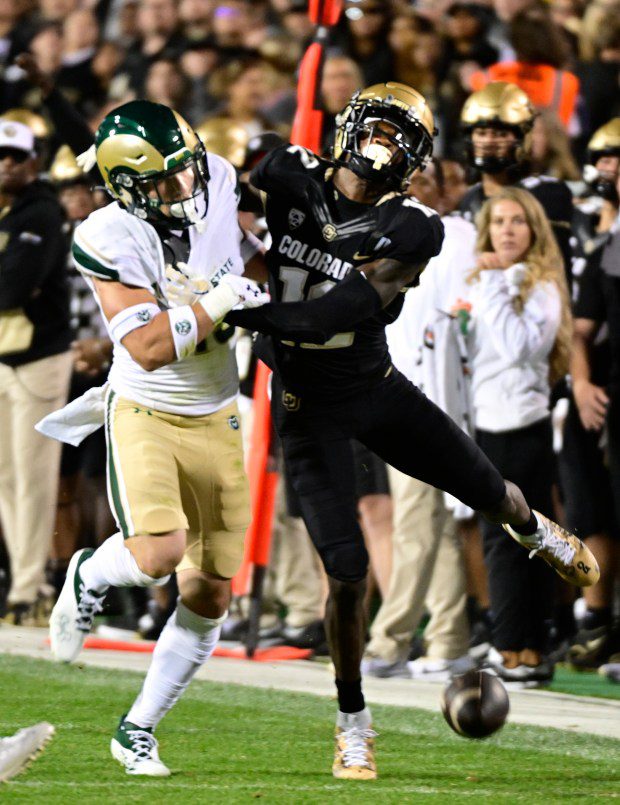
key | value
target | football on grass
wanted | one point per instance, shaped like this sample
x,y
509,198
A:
x,y
475,704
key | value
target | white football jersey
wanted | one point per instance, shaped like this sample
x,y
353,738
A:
x,y
112,244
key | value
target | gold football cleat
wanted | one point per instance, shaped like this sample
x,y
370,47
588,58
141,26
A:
x,y
565,552
354,758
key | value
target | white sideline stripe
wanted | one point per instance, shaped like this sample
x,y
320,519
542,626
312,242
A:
x,y
539,708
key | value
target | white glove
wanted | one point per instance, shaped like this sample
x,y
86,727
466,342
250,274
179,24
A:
x,y
183,288
232,291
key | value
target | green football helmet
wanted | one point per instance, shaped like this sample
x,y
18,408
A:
x,y
154,164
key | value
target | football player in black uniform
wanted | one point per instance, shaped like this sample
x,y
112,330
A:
x,y
598,209
346,241
496,123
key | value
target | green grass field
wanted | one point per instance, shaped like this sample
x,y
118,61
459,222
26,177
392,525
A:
x,y
233,744
584,683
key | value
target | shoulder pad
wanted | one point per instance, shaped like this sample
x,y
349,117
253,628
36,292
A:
x,y
297,155
412,203
113,245
280,168
222,173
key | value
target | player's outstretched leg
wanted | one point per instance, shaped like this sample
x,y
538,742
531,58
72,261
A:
x,y
89,575
185,644
18,750
345,625
565,552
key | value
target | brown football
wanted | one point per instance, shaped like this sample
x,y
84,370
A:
x,y
475,704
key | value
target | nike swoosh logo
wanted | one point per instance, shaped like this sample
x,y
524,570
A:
x,y
358,256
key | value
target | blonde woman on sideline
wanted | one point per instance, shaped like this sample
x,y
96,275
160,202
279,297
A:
x,y
519,340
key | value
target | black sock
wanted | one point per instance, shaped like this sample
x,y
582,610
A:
x,y
350,696
596,617
529,528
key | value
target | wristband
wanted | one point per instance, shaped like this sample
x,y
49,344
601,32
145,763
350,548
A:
x,y
130,319
184,329
218,302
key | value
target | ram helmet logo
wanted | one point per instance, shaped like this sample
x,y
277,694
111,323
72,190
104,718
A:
x,y
183,327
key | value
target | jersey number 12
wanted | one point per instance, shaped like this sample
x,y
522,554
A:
x,y
294,279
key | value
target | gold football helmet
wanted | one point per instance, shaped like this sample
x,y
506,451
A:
x,y
224,137
37,124
65,170
154,164
410,127
503,106
605,142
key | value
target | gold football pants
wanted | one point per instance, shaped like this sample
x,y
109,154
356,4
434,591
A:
x,y
168,472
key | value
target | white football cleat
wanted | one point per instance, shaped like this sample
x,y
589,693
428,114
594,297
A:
x,y
18,750
72,617
135,748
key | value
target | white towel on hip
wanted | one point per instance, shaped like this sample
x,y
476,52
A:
x,y
77,420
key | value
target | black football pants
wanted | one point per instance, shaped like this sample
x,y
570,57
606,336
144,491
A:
x,y
396,421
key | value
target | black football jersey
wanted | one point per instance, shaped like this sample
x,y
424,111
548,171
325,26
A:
x,y
318,237
556,200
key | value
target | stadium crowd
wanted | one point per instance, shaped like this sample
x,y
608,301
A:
x,y
539,389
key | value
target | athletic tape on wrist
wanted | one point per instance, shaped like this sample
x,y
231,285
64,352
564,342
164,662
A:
x,y
184,329
131,318
218,302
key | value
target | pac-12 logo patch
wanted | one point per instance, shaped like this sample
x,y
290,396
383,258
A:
x,y
296,218
233,422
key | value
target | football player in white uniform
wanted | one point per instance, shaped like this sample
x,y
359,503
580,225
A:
x,y
165,262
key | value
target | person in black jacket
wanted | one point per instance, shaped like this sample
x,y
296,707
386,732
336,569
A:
x,y
35,364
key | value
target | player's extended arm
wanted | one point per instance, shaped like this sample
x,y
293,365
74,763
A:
x,y
156,338
361,295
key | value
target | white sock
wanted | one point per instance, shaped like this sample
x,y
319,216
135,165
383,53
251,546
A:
x,y
186,642
346,721
113,565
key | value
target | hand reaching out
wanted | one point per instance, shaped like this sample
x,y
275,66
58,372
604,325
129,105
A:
x,y
249,292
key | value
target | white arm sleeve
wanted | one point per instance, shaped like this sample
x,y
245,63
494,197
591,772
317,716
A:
x,y
130,319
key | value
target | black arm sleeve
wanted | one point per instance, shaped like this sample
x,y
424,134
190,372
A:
x,y
317,320
29,257
69,124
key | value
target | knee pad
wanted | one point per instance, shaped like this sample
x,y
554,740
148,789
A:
x,y
345,561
